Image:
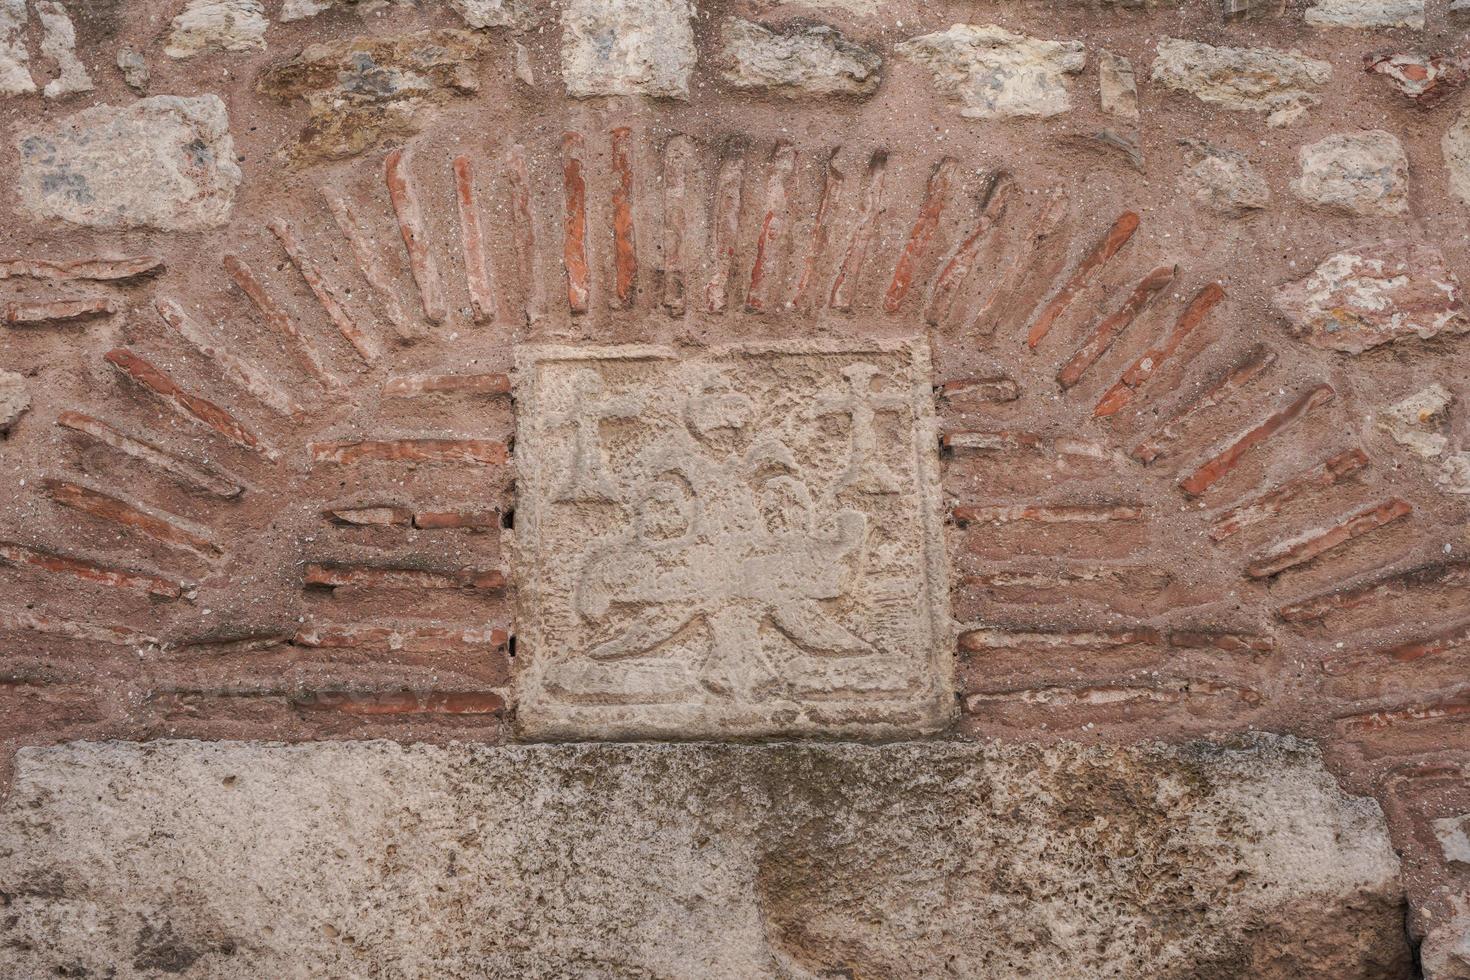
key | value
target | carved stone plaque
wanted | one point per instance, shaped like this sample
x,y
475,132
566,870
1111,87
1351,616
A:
x,y
741,541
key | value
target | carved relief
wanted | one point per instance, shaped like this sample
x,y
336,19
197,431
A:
x,y
738,542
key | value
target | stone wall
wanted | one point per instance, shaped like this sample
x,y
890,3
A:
x,y
497,371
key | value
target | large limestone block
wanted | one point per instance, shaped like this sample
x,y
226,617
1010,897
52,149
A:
x,y
1365,174
217,25
166,162
996,73
372,859
746,542
1281,83
801,60
627,47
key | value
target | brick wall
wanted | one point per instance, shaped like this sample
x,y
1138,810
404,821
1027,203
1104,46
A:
x,y
1194,312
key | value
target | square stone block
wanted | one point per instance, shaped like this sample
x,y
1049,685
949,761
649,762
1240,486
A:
x,y
741,541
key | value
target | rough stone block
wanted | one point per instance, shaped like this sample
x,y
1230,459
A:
x,y
741,543
627,47
1281,83
165,162
803,60
995,73
1360,173
357,859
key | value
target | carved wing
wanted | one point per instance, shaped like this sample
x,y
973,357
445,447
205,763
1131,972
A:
x,y
652,627
812,630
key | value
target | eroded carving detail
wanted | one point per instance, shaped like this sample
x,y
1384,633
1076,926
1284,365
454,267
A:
x,y
745,541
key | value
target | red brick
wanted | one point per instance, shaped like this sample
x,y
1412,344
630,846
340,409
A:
x,y
337,576
844,284
421,260
773,225
168,529
91,269
952,275
278,319
325,293
369,263
403,702
832,183
1395,585
205,412
1454,638
1121,393
472,240
1301,550
1111,327
724,230
22,556
1250,367
1227,459
574,247
625,248
481,452
1117,236
192,474
58,311
1269,504
936,196
409,385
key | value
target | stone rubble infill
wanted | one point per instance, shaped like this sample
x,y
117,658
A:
x,y
995,73
1373,295
248,859
217,25
801,61
1366,13
1364,174
1281,83
1223,180
627,47
178,173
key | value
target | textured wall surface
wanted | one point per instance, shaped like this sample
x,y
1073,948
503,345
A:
x,y
1180,449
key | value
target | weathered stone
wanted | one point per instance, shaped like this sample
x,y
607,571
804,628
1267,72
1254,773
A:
x,y
303,9
1366,13
801,60
1374,295
1425,78
744,543
1445,954
1454,473
1282,83
627,47
15,400
1117,86
366,90
1453,834
996,73
59,43
165,162
1456,147
335,859
217,25
1415,421
15,75
1223,180
134,68
482,14
1365,174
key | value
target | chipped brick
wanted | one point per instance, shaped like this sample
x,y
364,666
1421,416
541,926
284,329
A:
x,y
403,703
574,247
1121,393
936,197
58,311
1307,547
724,230
168,529
1269,504
365,254
374,516
337,576
277,319
421,262
22,556
1117,236
122,270
325,292
953,273
191,474
773,225
478,278
411,385
625,252
845,282
678,165
518,197
1048,513
832,183
1110,327
1227,459
250,378
205,412
1256,361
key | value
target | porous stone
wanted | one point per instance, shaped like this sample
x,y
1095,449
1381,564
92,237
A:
x,y
1424,78
801,60
1366,13
627,47
997,73
59,43
1454,473
363,91
1223,180
164,162
481,14
1281,83
1117,86
995,861
134,68
1445,954
217,25
1365,174
742,543
1372,295
1414,422
15,73
15,399
1453,834
1456,147
302,9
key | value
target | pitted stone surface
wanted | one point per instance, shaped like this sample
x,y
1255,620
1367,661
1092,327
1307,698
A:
x,y
166,162
627,47
1281,83
371,859
994,72
739,543
1360,173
